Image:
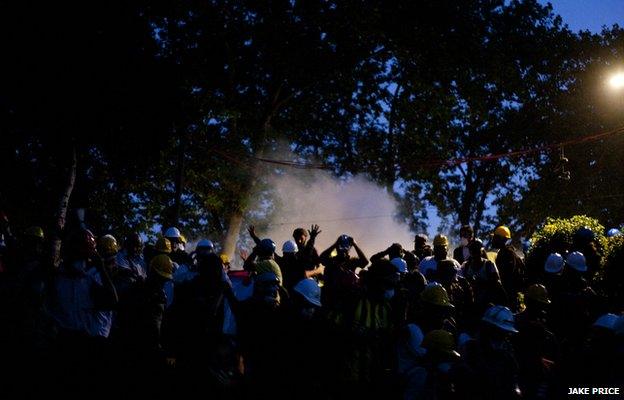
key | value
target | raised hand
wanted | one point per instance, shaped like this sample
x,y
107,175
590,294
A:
x,y
314,231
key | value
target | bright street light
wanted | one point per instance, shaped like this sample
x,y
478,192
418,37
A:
x,y
617,80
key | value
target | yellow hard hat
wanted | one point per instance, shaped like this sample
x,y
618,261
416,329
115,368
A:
x,y
440,341
34,231
435,294
440,240
224,258
162,265
163,245
538,292
503,231
107,246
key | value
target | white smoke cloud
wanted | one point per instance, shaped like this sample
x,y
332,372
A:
x,y
354,206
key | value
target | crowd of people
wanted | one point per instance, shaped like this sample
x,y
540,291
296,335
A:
x,y
426,323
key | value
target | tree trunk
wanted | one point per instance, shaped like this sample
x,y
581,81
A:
x,y
179,182
468,197
235,223
60,215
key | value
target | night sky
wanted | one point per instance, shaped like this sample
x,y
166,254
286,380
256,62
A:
x,y
589,14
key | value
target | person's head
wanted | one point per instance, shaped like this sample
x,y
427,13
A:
x,y
395,251
266,288
225,259
582,237
502,236
174,236
440,247
426,251
204,247
536,297
466,234
382,277
497,325
81,245
301,236
210,266
107,247
161,268
289,249
133,244
308,293
554,264
435,297
266,248
440,346
446,272
420,240
576,262
415,282
343,245
33,240
163,246
475,247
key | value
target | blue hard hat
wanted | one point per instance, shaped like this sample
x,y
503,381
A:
x,y
613,232
267,246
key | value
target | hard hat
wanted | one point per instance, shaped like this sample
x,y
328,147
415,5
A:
x,y
266,247
162,265
224,258
440,240
538,292
503,231
501,317
163,245
310,291
173,233
440,341
614,232
554,263
290,247
34,231
435,294
344,242
576,260
205,244
585,234
400,264
607,321
107,246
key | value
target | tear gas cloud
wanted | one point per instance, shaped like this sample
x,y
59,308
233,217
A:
x,y
355,206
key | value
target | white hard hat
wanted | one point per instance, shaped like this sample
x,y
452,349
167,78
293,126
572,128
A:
x,y
400,264
310,291
607,321
501,317
173,233
576,260
554,263
205,243
290,247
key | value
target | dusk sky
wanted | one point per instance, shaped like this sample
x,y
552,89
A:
x,y
589,14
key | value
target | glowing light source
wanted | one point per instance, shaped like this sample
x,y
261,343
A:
x,y
617,81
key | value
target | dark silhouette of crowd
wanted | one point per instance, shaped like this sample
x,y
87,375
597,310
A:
x,y
129,318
